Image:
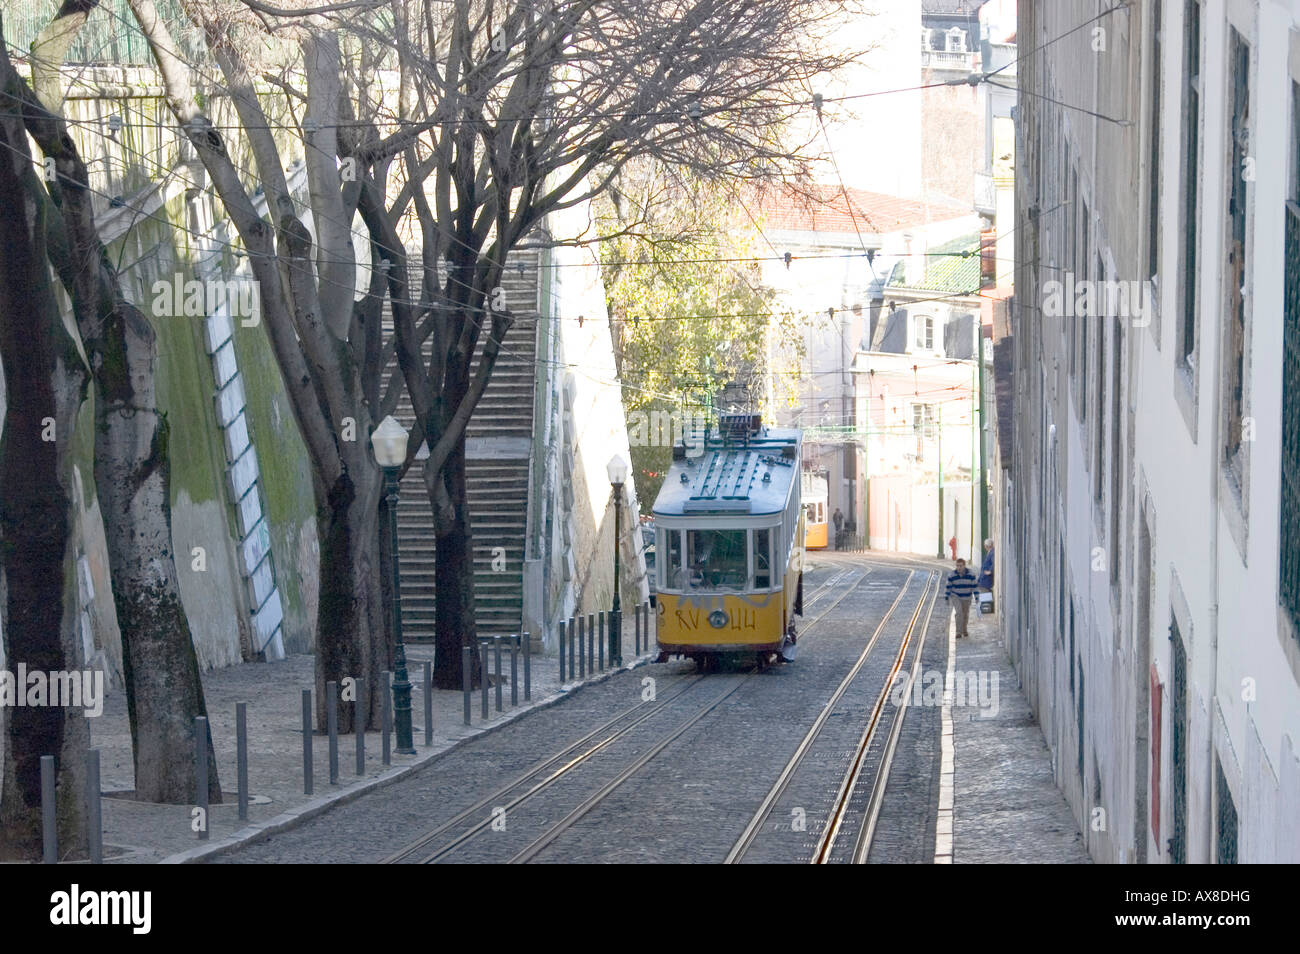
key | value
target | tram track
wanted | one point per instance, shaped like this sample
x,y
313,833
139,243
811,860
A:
x,y
470,822
755,826
845,797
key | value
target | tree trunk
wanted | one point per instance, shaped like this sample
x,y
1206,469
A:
x,y
45,380
453,574
351,642
164,691
132,467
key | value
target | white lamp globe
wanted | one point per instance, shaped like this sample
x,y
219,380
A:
x,y
617,470
389,442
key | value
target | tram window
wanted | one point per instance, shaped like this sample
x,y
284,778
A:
x,y
673,576
762,559
718,559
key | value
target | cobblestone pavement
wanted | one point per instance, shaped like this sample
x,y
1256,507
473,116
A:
x,y
141,832
1007,805
691,802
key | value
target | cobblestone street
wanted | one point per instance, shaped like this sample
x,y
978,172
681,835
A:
x,y
659,764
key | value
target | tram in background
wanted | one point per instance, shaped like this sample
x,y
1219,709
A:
x,y
729,533
816,496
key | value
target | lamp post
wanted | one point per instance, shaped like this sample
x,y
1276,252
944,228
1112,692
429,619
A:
x,y
389,442
617,471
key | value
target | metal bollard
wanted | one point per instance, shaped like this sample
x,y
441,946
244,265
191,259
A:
x,y
49,814
306,741
428,704
94,810
359,725
636,615
591,643
466,667
332,727
496,667
241,756
572,633
600,642
582,649
201,772
528,667
649,614
561,652
483,670
386,717
514,671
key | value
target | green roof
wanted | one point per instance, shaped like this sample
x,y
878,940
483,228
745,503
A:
x,y
947,269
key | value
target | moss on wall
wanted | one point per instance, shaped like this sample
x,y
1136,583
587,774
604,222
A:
x,y
287,496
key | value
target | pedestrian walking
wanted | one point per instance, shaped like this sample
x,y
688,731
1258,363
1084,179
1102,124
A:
x,y
838,520
961,587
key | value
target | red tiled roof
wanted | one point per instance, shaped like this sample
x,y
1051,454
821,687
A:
x,y
822,208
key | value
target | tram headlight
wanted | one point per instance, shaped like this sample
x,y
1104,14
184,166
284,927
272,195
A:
x,y
718,619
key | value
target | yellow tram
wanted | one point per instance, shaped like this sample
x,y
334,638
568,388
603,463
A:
x,y
729,534
815,498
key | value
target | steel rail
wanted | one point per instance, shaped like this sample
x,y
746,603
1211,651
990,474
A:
x,y
495,798
867,830
750,833
839,807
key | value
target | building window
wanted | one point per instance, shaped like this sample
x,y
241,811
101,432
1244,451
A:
x,y
1289,558
956,40
1153,152
925,333
923,420
1225,844
1191,177
1239,176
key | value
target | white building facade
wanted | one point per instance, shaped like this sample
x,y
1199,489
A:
x,y
1150,488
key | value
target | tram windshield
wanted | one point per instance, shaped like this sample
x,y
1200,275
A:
x,y
716,559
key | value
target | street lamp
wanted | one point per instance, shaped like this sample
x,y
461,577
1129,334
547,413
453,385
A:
x,y
617,471
389,442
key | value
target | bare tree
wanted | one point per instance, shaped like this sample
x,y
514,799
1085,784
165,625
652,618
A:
x,y
516,109
323,340
132,463
505,112
45,380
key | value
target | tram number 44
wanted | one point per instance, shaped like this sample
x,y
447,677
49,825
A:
x,y
740,619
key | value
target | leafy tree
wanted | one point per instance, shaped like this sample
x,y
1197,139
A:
x,y
684,284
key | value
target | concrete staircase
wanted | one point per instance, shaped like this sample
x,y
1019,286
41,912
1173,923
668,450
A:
x,y
498,446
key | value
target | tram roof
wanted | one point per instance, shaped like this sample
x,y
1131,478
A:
x,y
734,477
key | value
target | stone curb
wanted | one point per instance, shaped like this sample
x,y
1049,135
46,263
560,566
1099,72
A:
x,y
313,807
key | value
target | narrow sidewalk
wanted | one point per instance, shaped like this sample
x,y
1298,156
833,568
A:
x,y
144,832
1004,804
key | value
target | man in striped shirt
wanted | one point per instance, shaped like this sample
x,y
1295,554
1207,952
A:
x,y
961,587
